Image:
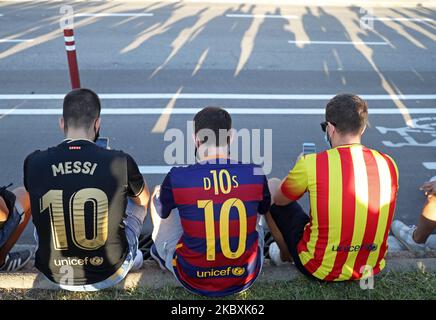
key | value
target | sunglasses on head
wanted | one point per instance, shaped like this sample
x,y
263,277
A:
x,y
325,124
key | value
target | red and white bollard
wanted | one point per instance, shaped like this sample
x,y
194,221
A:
x,y
70,46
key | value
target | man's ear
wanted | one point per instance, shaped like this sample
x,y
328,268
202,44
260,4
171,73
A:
x,y
97,124
331,129
62,124
196,140
231,135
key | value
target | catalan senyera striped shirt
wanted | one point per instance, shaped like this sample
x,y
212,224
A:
x,y
353,191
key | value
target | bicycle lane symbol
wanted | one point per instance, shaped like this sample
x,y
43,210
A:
x,y
423,128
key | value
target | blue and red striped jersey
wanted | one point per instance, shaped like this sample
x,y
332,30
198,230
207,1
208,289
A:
x,y
219,205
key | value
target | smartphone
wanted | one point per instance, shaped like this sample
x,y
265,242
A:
x,y
309,147
103,142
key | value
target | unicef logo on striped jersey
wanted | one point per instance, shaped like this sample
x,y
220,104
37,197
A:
x,y
238,271
360,247
225,272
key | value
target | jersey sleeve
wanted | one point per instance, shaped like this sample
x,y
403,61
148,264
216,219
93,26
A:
x,y
296,183
135,181
265,204
26,169
25,173
166,197
394,164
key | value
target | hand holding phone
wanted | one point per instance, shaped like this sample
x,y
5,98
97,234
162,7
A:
x,y
103,142
308,148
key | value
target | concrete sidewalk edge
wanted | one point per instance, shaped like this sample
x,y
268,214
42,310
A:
x,y
150,276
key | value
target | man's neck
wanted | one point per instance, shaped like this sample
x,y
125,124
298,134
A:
x,y
73,134
206,153
346,140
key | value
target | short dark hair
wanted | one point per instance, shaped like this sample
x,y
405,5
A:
x,y
348,112
81,108
214,119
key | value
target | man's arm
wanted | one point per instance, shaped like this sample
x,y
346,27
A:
x,y
164,195
429,188
143,198
294,185
278,237
137,189
279,198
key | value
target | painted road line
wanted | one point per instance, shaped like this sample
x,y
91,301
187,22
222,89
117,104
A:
x,y
15,40
166,169
155,169
357,43
287,3
190,111
429,165
399,19
104,14
218,96
266,16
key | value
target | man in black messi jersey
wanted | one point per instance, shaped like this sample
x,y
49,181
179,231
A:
x,y
88,203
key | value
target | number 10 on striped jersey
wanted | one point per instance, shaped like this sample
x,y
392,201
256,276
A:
x,y
224,236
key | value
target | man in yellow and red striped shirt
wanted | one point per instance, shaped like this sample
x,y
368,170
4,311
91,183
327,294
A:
x,y
352,191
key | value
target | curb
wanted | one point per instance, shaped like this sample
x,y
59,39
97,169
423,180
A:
x,y
151,276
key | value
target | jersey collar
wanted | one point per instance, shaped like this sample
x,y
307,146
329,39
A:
x,y
76,141
348,145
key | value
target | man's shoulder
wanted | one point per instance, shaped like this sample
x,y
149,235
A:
x,y
181,169
384,155
114,153
36,155
49,153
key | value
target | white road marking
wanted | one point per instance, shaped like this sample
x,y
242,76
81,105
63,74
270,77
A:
x,y
155,169
399,19
114,14
429,165
185,111
266,16
286,3
357,43
218,96
166,169
15,40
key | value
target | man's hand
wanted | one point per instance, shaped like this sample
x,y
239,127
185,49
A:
x,y
156,192
285,255
429,188
143,198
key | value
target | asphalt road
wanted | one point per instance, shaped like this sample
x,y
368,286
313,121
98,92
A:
x,y
224,49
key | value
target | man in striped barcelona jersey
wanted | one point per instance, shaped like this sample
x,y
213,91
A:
x,y
352,191
206,216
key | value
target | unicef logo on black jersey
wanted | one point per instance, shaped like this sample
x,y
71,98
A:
x,y
96,261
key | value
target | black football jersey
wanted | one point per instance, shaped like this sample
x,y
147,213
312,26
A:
x,y
78,194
